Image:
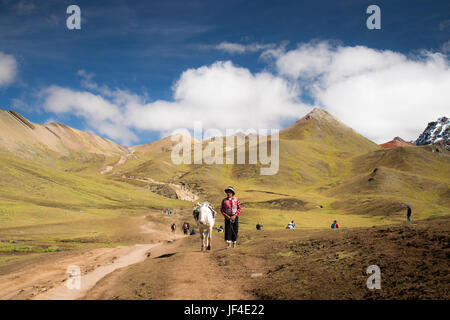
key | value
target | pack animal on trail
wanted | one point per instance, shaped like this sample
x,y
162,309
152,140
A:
x,y
205,216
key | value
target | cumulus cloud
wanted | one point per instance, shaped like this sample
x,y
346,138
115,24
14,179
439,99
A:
x,y
8,69
101,115
221,95
379,93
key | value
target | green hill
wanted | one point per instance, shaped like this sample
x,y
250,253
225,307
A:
x,y
50,181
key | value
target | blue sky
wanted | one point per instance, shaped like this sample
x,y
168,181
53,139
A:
x,y
144,47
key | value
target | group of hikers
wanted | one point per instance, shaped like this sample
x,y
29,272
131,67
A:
x,y
187,229
231,208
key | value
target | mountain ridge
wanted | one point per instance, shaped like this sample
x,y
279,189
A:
x,y
21,136
436,132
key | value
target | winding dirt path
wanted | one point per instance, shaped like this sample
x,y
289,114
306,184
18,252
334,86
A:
x,y
136,254
46,277
181,191
121,161
197,276
177,271
173,268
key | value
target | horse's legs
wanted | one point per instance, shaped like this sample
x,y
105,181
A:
x,y
203,239
208,234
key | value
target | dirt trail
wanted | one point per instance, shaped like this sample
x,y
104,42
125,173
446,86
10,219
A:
x,y
121,161
43,275
196,276
172,269
177,271
137,254
181,191
46,277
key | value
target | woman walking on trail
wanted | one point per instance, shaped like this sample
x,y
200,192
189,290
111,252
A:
x,y
231,208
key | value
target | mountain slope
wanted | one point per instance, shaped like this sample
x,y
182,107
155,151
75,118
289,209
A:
x,y
436,132
396,142
323,129
312,151
324,163
24,138
383,182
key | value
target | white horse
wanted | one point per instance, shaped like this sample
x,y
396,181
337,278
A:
x,y
205,223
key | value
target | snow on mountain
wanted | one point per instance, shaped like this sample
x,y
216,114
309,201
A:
x,y
436,132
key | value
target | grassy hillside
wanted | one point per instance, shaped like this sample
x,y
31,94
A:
x,y
383,182
43,209
326,171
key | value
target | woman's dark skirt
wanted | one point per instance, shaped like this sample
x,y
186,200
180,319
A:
x,y
231,230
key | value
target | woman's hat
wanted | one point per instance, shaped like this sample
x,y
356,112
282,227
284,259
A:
x,y
230,188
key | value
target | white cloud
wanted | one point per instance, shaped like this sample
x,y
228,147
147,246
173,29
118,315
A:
x,y
379,93
8,68
220,95
232,47
100,115
308,61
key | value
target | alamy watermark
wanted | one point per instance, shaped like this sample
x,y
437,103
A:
x,y
214,151
74,280
74,20
374,20
374,281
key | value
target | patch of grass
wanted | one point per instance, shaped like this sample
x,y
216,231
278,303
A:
x,y
22,249
52,249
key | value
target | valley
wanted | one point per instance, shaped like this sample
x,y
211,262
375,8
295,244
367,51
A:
x,y
69,197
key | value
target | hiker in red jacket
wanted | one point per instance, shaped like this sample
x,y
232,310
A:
x,y
231,208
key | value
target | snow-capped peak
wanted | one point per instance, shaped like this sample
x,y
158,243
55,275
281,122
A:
x,y
436,131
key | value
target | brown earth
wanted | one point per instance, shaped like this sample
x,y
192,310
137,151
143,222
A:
x,y
313,264
413,258
300,264
396,142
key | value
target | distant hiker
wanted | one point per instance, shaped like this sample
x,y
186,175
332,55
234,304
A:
x,y
408,213
334,225
259,226
220,229
186,228
173,227
231,208
195,213
291,225
192,232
